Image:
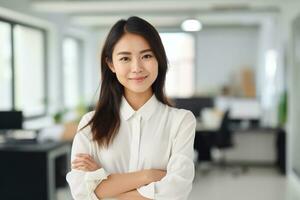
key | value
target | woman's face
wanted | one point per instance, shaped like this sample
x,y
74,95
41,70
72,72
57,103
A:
x,y
134,63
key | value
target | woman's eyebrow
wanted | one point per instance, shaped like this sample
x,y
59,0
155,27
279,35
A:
x,y
124,53
128,53
146,50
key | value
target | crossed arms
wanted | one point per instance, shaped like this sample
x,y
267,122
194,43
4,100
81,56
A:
x,y
88,180
120,186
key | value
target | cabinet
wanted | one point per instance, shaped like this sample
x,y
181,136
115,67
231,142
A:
x,y
32,171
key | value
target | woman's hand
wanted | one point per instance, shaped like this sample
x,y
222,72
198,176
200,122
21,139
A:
x,y
85,162
153,175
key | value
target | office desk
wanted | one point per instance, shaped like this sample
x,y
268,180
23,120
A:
x,y
28,171
200,126
204,140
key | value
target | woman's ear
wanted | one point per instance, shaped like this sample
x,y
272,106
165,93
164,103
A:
x,y
110,65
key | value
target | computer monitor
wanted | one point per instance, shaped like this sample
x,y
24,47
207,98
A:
x,y
11,120
194,104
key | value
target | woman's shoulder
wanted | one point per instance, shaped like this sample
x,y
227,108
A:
x,y
181,119
87,116
181,114
83,130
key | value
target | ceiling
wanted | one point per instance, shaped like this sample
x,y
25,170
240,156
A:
x,y
161,13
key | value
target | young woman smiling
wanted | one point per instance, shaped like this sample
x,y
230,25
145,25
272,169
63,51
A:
x,y
134,145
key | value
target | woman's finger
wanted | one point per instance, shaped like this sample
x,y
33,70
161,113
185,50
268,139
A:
x,y
82,163
89,159
82,167
78,165
84,155
85,160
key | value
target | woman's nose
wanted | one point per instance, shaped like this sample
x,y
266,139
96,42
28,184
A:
x,y
137,66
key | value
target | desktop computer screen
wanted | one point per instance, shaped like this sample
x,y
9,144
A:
x,y
194,104
11,120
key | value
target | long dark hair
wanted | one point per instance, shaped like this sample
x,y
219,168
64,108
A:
x,y
105,123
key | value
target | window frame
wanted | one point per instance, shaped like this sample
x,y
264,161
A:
x,y
194,35
12,24
80,70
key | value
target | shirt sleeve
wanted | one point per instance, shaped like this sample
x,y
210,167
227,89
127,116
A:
x,y
177,184
83,184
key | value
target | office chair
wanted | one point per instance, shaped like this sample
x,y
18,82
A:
x,y
223,138
224,135
223,142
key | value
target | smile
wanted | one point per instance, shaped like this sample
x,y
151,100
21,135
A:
x,y
141,78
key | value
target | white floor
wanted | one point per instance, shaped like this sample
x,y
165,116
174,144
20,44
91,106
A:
x,y
224,184
227,184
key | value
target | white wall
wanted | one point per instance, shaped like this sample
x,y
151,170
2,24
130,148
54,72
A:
x,y
293,128
222,51
295,101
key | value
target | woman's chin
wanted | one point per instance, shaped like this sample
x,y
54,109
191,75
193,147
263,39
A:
x,y
140,90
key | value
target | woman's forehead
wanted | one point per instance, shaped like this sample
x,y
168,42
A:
x,y
131,42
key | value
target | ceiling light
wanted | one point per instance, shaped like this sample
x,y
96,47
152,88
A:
x,y
191,25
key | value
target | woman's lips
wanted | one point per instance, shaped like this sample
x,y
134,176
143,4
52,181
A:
x,y
139,79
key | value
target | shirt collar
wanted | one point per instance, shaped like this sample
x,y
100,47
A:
x,y
146,111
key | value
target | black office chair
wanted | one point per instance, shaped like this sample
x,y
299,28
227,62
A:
x,y
223,138
224,141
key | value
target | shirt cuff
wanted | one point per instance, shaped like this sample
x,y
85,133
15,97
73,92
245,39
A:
x,y
92,180
147,191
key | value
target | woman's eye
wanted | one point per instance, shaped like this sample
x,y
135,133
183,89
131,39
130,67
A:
x,y
124,59
147,56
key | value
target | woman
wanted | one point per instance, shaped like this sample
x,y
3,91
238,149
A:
x,y
134,145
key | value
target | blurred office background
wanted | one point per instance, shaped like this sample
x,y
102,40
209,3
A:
x,y
233,63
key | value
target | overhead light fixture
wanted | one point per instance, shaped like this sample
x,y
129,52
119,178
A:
x,y
191,25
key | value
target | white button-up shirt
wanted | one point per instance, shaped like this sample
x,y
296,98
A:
x,y
156,136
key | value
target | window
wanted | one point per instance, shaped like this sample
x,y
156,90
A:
x,y
71,64
5,67
22,69
29,70
181,57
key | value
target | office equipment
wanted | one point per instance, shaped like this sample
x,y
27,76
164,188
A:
x,y
11,124
244,112
223,137
21,136
218,136
203,144
245,109
194,104
205,140
11,120
33,171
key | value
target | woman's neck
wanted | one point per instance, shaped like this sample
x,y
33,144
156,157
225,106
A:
x,y
137,100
